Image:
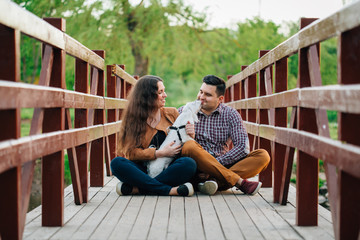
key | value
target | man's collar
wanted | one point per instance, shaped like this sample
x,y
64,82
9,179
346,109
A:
x,y
218,110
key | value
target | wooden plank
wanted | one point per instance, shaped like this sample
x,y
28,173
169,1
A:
x,y
287,212
227,221
107,225
210,220
35,27
193,222
281,82
127,219
257,217
73,165
246,225
48,143
81,121
323,128
12,215
343,98
86,230
119,72
34,230
53,164
340,21
343,155
176,228
282,227
268,231
143,221
265,79
75,223
348,209
288,165
307,166
160,221
111,141
97,155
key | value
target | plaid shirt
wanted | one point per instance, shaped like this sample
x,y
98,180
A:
x,y
216,131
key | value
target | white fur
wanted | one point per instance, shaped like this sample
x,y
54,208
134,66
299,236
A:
x,y
189,113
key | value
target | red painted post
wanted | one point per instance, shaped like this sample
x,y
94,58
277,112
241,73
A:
x,y
122,90
98,145
281,75
227,97
53,165
10,181
81,120
111,92
307,166
251,116
235,92
266,176
243,95
348,198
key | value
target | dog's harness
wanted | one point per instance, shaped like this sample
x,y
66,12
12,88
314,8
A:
x,y
177,130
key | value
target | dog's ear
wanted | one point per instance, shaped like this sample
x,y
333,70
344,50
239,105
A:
x,y
186,107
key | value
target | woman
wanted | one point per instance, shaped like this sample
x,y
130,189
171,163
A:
x,y
143,129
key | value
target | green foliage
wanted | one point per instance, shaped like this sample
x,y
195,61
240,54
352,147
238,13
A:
x,y
255,35
67,174
170,40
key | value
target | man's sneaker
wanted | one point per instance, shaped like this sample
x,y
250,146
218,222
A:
x,y
249,187
186,190
208,187
123,189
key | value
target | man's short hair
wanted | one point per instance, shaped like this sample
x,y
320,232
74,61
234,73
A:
x,y
216,81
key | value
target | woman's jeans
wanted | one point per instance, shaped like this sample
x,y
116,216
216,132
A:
x,y
181,170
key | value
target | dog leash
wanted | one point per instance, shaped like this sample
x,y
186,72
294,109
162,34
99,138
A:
x,y
177,130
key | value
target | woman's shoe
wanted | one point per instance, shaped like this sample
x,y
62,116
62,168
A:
x,y
123,189
186,190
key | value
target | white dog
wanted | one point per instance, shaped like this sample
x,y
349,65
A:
x,y
176,133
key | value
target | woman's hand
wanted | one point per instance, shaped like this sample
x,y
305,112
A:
x,y
168,151
190,129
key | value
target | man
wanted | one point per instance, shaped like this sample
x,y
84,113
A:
x,y
218,126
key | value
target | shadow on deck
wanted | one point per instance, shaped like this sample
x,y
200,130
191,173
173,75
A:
x,y
226,215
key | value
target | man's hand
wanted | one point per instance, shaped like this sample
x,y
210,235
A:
x,y
190,129
203,176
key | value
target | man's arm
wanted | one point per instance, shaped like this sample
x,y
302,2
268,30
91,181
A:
x,y
239,139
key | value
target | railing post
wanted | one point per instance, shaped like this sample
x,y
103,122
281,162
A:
x,y
266,176
227,97
81,120
98,145
251,113
307,175
53,164
348,208
244,94
235,92
112,116
281,76
10,181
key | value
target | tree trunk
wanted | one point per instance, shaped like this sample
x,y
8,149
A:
x,y
141,61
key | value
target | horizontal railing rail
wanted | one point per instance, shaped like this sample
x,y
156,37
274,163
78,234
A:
x,y
89,138
260,93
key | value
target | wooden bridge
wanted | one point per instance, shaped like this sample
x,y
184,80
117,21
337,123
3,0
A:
x,y
90,208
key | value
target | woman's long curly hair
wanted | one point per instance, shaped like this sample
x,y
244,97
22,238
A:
x,y
141,103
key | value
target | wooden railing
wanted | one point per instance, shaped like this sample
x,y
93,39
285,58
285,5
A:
x,y
264,111
92,139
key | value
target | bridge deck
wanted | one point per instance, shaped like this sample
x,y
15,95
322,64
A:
x,y
226,215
